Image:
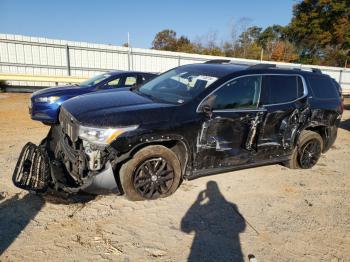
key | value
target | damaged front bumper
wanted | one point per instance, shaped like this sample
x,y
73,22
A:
x,y
59,164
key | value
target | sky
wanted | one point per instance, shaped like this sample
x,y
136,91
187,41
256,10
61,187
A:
x,y
109,21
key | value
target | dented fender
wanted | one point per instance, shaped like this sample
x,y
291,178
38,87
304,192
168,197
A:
x,y
126,147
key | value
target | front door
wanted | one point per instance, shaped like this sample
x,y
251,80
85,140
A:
x,y
229,129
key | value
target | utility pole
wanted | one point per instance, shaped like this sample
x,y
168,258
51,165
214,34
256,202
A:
x,y
68,60
129,60
261,55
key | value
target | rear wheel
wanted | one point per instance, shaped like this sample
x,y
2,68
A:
x,y
307,152
152,173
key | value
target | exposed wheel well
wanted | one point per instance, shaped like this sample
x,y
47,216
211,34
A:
x,y
321,130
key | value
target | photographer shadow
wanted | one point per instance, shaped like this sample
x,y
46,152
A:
x,y
217,224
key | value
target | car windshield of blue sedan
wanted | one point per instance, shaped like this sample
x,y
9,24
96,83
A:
x,y
95,80
177,86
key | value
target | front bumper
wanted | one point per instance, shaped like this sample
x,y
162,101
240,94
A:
x,y
54,164
44,112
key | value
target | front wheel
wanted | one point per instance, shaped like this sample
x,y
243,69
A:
x,y
152,173
307,152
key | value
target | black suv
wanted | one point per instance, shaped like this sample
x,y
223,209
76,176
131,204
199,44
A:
x,y
191,121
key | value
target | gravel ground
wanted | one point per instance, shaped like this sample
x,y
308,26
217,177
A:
x,y
271,212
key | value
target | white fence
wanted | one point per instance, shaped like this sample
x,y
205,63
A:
x,y
42,56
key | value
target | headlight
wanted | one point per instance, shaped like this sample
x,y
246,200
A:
x,y
102,135
47,99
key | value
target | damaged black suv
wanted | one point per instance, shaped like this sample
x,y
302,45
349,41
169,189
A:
x,y
193,120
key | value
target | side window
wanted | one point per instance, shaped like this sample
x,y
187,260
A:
x,y
281,89
114,83
142,78
130,81
240,93
146,77
323,88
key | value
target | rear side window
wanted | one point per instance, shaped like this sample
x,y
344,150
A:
x,y
323,88
130,81
146,77
281,89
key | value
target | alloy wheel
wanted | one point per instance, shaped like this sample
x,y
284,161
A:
x,y
310,153
153,178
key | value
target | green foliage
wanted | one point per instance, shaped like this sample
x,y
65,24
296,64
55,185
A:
x,y
317,27
272,34
319,33
165,40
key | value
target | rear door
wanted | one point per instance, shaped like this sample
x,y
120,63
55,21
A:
x,y
130,80
142,78
124,82
284,99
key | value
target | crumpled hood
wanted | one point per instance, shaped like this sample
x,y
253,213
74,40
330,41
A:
x,y
122,108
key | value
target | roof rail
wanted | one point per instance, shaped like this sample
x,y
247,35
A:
x,y
316,70
262,66
217,61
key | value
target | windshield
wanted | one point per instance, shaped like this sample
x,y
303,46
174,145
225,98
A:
x,y
178,86
95,80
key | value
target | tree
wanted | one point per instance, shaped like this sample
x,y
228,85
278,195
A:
x,y
229,49
319,33
165,40
248,39
183,44
284,51
275,44
318,25
272,34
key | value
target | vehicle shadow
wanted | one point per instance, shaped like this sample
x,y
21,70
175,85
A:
x,y
217,224
15,215
345,124
347,106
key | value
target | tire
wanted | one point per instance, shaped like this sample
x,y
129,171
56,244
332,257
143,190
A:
x,y
307,139
143,174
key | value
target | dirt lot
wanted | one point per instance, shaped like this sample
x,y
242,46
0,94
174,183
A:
x,y
270,212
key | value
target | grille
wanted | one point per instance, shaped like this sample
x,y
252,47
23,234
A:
x,y
69,125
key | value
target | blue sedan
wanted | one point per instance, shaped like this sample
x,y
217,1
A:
x,y
45,104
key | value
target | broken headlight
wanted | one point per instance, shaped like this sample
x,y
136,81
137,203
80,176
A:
x,y
103,136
